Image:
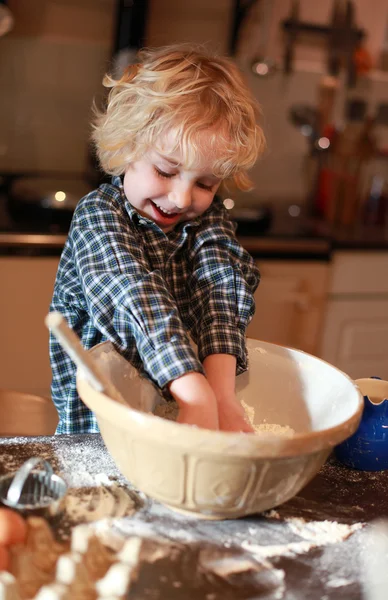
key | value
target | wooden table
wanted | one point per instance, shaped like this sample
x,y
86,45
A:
x,y
311,547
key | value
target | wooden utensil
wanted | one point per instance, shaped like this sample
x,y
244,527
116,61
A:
x,y
353,147
71,343
327,89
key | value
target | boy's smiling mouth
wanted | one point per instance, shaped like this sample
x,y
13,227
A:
x,y
164,211
167,216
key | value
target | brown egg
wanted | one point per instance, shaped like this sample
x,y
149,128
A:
x,y
13,528
4,559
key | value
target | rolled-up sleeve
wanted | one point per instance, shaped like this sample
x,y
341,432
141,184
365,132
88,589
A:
x,y
127,300
223,281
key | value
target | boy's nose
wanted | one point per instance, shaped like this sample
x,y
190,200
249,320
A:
x,y
180,197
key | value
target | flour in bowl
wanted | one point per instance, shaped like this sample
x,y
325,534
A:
x,y
169,411
274,428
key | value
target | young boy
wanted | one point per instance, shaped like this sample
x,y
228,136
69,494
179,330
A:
x,y
151,258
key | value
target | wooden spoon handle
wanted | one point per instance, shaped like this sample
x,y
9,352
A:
x,y
71,343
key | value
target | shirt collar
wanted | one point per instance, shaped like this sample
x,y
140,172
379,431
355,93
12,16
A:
x,y
133,214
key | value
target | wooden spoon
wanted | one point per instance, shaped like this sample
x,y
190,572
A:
x,y
71,343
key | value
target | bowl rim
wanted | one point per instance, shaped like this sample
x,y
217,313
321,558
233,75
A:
x,y
265,445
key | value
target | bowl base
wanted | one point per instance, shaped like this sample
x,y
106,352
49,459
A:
x,y
202,516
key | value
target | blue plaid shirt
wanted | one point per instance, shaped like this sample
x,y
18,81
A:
x,y
120,278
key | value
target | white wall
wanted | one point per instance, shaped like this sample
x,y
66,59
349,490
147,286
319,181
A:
x,y
51,67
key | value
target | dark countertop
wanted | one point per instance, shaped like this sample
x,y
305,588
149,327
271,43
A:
x,y
311,238
312,547
263,246
36,244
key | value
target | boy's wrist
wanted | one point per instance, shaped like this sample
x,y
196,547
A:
x,y
167,363
220,372
225,341
191,388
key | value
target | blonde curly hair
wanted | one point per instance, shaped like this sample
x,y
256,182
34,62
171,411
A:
x,y
180,92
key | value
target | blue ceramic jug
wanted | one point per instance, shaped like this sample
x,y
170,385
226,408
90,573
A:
x,y
367,449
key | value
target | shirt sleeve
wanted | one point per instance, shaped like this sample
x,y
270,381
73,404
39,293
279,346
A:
x,y
223,280
125,299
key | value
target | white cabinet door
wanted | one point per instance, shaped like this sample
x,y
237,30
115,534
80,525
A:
x,y
356,337
290,303
277,311
27,287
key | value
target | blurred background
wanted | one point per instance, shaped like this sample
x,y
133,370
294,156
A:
x,y
316,219
297,56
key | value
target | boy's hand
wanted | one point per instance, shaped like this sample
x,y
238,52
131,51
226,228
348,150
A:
x,y
196,400
221,375
232,416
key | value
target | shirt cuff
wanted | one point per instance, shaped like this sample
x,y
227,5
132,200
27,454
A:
x,y
223,340
170,362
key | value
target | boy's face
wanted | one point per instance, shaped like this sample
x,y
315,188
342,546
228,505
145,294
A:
x,y
161,189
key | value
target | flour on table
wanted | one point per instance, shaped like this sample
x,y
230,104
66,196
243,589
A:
x,y
94,503
226,566
324,532
314,534
338,582
293,549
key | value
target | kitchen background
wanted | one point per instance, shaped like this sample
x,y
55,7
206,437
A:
x,y
316,219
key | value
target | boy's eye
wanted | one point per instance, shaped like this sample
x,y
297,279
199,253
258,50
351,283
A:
x,y
203,186
164,174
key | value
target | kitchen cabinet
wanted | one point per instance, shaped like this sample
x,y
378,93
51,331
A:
x,y
290,303
355,334
289,310
27,286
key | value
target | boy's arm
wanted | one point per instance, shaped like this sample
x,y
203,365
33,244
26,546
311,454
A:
x,y
221,374
127,301
223,280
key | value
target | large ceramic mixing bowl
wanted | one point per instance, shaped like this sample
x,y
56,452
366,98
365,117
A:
x,y
220,475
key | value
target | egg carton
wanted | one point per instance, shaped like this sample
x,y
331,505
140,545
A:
x,y
82,569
